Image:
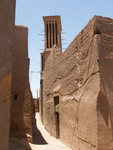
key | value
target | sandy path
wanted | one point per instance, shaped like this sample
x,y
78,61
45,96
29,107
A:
x,y
45,141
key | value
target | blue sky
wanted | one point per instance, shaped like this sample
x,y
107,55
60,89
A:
x,y
75,14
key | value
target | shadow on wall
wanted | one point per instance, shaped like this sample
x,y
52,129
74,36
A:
x,y
18,144
103,106
37,136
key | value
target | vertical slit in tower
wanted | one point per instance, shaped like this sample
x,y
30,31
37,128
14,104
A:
x,y
56,34
47,35
50,33
53,33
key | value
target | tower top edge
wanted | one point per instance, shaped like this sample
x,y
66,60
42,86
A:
x,y
53,18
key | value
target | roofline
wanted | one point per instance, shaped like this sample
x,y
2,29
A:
x,y
57,17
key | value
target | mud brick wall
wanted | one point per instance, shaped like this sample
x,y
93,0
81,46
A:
x,y
21,97
7,20
81,78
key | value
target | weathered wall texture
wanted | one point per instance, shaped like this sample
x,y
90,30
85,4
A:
x,y
35,105
7,18
15,94
21,97
82,77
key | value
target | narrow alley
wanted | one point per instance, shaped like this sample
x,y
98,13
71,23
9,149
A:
x,y
42,140
56,75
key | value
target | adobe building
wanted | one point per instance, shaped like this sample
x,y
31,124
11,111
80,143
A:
x,y
21,97
77,88
15,95
7,21
35,105
52,28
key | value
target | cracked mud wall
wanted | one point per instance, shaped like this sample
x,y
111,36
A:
x,y
7,20
21,97
77,78
105,97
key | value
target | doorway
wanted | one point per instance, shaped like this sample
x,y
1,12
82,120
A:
x,y
57,125
57,119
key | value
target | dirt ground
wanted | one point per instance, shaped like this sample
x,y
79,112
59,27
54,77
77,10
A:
x,y
42,140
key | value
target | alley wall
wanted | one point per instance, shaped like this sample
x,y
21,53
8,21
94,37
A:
x,y
7,21
79,79
21,97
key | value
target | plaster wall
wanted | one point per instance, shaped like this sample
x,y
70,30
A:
x,y
7,19
84,88
21,97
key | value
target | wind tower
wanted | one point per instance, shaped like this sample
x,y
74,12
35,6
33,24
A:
x,y
52,42
52,28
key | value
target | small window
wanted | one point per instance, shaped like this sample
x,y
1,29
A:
x,y
15,97
56,100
